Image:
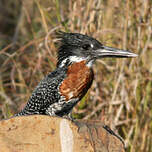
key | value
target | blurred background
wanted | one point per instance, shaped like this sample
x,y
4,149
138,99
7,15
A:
x,y
121,94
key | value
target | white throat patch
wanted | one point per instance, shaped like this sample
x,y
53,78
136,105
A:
x,y
76,59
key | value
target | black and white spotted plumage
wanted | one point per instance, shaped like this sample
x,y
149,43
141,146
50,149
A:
x,y
46,98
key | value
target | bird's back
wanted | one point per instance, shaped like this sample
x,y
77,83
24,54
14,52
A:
x,y
45,94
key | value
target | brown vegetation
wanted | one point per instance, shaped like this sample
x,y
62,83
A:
x,y
121,94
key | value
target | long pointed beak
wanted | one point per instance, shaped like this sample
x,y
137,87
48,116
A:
x,y
112,52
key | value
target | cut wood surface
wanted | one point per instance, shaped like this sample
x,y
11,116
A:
x,y
40,133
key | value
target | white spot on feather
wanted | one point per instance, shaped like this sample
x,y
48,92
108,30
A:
x,y
92,45
70,95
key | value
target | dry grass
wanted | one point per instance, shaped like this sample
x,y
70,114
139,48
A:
x,y
121,94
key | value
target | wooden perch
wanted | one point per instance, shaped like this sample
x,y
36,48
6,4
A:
x,y
39,133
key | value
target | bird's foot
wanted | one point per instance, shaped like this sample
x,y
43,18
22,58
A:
x,y
69,117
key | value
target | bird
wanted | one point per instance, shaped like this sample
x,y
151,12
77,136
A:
x,y
59,91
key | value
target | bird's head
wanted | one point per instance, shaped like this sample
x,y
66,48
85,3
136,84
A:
x,y
76,47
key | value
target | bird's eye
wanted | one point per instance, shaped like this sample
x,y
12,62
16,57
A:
x,y
86,46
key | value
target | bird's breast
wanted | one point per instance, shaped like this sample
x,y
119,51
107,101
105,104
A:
x,y
78,81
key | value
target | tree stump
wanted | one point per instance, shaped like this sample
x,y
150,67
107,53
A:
x,y
39,133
